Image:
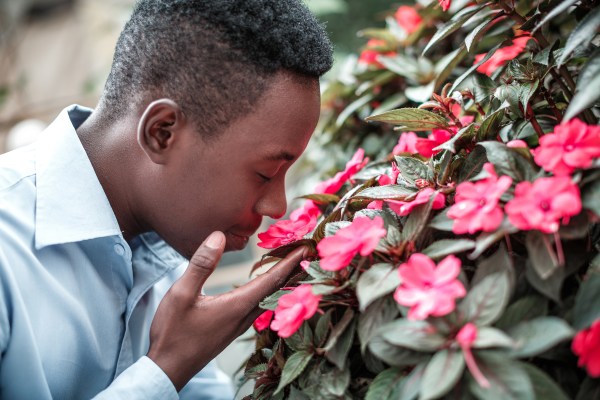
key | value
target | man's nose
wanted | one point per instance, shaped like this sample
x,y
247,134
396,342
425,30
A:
x,y
274,203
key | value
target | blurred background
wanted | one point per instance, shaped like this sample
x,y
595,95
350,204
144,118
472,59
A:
x,y
54,53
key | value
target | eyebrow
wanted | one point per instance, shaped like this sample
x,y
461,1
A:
x,y
283,155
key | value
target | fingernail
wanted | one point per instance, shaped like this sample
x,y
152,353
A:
x,y
214,240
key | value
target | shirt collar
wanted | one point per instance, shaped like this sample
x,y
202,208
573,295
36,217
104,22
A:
x,y
71,204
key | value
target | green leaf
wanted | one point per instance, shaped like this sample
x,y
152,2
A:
x,y
393,355
551,286
386,386
413,119
335,381
584,31
465,133
500,261
491,337
473,164
589,390
538,335
444,247
506,377
486,301
441,374
486,239
391,192
447,65
587,302
377,314
412,169
270,302
556,11
457,21
524,309
544,387
542,255
417,220
293,367
321,198
586,92
477,32
442,222
322,328
376,282
332,227
353,107
415,335
508,161
490,126
526,91
319,275
338,353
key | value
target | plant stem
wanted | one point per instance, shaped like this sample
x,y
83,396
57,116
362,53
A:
x,y
534,122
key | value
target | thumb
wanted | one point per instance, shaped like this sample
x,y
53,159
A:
x,y
202,264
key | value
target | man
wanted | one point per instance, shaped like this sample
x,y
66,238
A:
x,y
207,105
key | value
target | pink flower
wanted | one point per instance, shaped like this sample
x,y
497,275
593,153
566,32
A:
x,y
476,204
465,338
287,231
263,321
586,344
501,56
370,54
572,145
437,137
332,185
408,18
542,204
390,179
403,208
427,289
445,4
293,309
407,143
360,237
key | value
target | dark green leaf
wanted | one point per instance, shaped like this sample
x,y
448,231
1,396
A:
x,y
508,161
486,301
506,377
477,32
386,386
556,11
338,353
336,381
322,198
524,309
415,335
322,328
490,126
500,261
526,91
542,255
378,313
442,373
457,21
394,355
543,386
447,65
391,192
584,31
538,335
486,239
587,91
353,107
293,367
417,220
411,169
550,286
413,119
270,302
465,134
589,390
442,222
444,247
587,302
491,337
376,282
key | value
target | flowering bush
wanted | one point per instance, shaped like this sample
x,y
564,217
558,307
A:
x,y
463,262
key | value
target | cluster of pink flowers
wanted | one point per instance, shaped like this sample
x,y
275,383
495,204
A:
x,y
292,310
403,208
371,53
429,289
360,237
408,18
476,206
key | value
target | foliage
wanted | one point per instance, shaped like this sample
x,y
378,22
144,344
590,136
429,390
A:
x,y
484,281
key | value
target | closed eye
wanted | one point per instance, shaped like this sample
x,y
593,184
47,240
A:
x,y
264,177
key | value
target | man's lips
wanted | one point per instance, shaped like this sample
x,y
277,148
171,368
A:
x,y
236,241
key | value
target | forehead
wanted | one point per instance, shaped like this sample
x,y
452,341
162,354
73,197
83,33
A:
x,y
281,123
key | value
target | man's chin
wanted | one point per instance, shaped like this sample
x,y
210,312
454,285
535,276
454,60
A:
x,y
235,242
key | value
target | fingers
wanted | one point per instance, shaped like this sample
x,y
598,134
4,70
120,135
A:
x,y
202,264
269,282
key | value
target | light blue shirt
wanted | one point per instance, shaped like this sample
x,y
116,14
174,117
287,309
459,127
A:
x,y
76,299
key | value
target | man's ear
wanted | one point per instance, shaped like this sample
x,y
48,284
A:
x,y
159,128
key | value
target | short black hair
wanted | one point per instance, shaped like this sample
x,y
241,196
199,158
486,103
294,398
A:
x,y
214,57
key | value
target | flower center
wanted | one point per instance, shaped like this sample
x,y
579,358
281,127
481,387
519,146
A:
x,y
569,147
544,205
482,202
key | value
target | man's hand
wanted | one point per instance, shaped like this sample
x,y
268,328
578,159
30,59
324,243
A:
x,y
190,329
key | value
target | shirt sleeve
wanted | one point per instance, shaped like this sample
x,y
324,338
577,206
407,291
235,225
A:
x,y
144,380
209,384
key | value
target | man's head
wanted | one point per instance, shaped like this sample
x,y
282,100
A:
x,y
223,96
213,57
